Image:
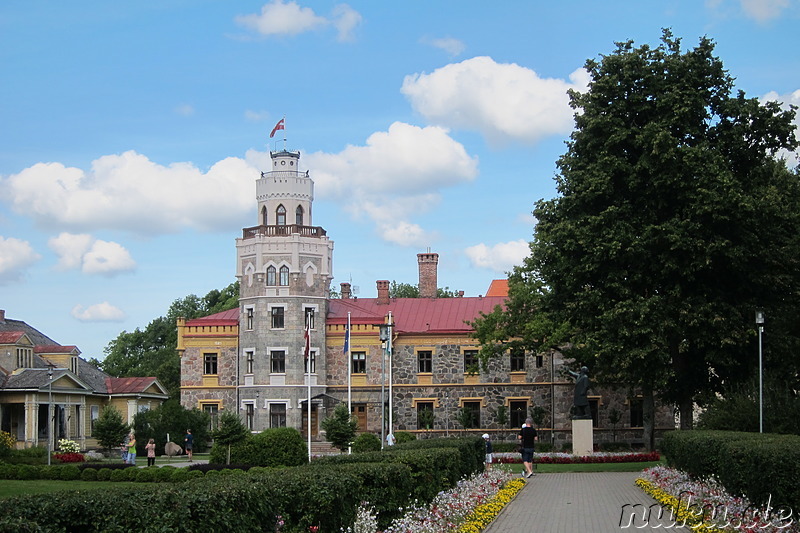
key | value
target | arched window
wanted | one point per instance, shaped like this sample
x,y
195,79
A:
x,y
271,275
280,216
264,216
284,281
298,215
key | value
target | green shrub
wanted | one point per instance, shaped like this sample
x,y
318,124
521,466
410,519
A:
x,y
118,475
104,474
164,473
195,474
404,436
26,472
89,474
69,473
145,475
272,447
366,442
177,475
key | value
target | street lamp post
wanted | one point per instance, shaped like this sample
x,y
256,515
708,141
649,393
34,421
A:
x,y
386,339
760,324
50,412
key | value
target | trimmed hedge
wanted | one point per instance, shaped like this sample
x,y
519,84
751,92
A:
x,y
760,466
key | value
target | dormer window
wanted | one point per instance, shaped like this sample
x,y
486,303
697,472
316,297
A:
x,y
280,216
298,215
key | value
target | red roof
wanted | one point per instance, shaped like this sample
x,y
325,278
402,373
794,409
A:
x,y
10,337
498,287
415,315
54,348
128,385
225,318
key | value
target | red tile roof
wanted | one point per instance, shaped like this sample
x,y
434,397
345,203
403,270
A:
x,y
415,315
128,385
10,337
54,348
498,287
225,318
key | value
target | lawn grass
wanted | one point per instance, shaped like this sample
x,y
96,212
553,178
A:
x,y
14,487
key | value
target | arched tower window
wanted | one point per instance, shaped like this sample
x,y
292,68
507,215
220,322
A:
x,y
280,215
271,275
264,216
298,215
284,281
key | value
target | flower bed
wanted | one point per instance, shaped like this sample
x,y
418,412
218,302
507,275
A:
x,y
705,506
70,457
467,508
567,458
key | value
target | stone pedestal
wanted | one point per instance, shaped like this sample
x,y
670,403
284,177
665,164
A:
x,y
582,437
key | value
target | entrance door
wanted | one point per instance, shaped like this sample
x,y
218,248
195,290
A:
x,y
314,425
360,412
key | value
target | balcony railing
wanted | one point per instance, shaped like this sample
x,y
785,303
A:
x,y
284,231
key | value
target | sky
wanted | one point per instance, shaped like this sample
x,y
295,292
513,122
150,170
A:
x,y
132,134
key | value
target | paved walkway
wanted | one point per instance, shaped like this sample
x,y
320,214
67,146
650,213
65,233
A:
x,y
579,502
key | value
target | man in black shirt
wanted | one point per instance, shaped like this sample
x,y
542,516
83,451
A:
x,y
527,438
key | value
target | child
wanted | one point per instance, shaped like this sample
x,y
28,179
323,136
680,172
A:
x,y
151,452
489,451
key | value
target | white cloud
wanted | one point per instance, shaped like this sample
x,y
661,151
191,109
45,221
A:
x,y
282,18
398,174
102,312
787,100
452,46
505,102
345,19
185,110
501,257
90,255
15,256
764,10
129,192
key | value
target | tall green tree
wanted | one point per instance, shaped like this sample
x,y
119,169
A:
x,y
109,428
231,431
674,221
340,428
171,419
153,350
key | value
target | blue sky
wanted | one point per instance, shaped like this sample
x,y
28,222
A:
x,y
132,133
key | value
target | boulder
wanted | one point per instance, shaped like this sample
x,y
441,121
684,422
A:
x,y
172,449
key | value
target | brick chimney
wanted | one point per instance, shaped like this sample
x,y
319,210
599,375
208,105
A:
x,y
383,292
2,315
345,294
428,263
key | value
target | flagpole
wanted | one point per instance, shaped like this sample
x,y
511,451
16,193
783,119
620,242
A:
x,y
389,345
284,133
307,351
349,372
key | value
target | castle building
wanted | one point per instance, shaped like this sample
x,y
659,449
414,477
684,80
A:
x,y
401,364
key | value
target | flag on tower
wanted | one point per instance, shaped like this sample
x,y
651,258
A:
x,y
347,336
281,125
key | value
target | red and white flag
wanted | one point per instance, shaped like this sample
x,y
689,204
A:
x,y
281,125
307,338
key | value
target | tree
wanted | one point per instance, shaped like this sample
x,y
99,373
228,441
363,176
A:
x,y
466,418
340,428
153,351
674,221
171,419
109,429
406,290
231,431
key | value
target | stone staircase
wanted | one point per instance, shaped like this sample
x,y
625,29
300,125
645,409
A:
x,y
323,448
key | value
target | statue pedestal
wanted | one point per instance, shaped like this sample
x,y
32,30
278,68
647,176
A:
x,y
582,437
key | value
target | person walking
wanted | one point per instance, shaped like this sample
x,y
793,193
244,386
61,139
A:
x,y
527,438
188,443
132,449
489,452
151,452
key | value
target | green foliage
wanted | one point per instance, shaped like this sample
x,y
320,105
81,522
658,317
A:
x,y
667,232
366,442
6,443
272,447
171,418
425,418
69,473
760,466
340,427
109,429
153,351
465,418
89,474
502,416
406,290
401,437
738,410
231,429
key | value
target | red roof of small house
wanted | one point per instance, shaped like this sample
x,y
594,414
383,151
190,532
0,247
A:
x,y
415,315
128,385
55,348
10,337
498,287
225,318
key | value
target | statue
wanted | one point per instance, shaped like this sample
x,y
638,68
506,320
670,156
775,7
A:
x,y
580,403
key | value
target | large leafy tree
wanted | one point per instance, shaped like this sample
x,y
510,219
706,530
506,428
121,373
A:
x,y
674,221
153,350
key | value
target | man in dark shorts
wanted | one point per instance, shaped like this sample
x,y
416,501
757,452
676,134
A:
x,y
188,443
527,438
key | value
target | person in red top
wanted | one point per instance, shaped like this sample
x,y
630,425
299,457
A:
x,y
527,438
151,452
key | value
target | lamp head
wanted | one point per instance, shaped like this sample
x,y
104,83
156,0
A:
x,y
760,316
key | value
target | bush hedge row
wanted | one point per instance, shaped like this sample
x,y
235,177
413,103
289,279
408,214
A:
x,y
764,467
93,472
324,493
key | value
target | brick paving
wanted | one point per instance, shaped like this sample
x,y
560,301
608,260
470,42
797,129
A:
x,y
579,502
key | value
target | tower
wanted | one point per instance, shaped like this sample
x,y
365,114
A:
x,y
284,266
